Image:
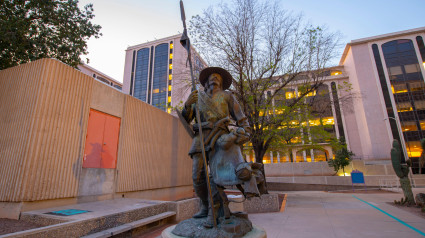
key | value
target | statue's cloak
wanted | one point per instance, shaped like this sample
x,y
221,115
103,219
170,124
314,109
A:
x,y
224,159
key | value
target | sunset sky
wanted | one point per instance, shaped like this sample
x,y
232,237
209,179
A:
x,y
131,22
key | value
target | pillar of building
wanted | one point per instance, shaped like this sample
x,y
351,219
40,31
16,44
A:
x,y
288,156
333,109
271,157
278,157
294,155
312,155
329,149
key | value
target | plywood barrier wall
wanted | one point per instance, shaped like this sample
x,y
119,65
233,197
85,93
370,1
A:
x,y
153,149
107,99
44,108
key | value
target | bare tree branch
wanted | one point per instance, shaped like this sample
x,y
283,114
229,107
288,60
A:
x,y
268,51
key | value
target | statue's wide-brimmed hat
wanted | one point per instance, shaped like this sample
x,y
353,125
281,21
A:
x,y
205,73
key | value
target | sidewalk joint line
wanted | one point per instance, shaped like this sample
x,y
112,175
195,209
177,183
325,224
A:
x,y
393,217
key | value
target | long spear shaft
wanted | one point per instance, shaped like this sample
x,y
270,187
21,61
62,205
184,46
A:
x,y
186,44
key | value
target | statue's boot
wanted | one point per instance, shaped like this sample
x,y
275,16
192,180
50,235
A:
x,y
201,191
209,223
225,200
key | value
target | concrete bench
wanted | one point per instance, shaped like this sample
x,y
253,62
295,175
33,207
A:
x,y
129,226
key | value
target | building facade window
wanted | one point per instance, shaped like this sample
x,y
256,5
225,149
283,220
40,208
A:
x,y
408,89
386,94
160,77
321,112
141,74
421,46
337,110
305,128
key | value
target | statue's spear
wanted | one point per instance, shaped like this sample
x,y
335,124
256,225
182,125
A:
x,y
185,42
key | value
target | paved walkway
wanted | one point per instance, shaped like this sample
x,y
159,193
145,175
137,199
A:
x,y
338,215
307,215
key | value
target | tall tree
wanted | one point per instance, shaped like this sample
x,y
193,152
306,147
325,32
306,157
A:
x,y
268,51
35,29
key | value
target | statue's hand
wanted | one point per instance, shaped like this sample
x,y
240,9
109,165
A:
x,y
242,136
193,98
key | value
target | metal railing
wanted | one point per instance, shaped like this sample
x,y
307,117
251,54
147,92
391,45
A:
x,y
390,184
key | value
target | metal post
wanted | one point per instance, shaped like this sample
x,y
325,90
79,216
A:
x,y
186,44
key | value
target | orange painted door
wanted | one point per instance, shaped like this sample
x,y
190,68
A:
x,y
110,142
101,141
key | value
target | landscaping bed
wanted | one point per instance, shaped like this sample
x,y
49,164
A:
x,y
412,209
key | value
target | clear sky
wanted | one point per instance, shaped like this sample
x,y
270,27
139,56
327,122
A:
x,y
131,22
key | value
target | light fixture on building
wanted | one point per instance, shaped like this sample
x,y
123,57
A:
x,y
333,73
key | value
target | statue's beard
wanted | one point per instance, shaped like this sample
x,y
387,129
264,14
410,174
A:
x,y
214,83
212,86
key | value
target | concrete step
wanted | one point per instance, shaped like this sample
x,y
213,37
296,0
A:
x,y
103,215
130,226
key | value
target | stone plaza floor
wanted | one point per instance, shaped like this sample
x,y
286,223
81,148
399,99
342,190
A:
x,y
308,214
338,215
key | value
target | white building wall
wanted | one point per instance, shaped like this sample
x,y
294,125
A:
x,y
127,71
374,137
367,131
350,114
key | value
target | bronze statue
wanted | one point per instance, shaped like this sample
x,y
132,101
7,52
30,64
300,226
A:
x,y
222,146
217,147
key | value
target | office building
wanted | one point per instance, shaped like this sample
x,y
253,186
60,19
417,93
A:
x,y
99,76
326,104
156,72
388,72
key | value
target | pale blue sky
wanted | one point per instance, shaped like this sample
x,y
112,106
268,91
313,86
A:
x,y
130,22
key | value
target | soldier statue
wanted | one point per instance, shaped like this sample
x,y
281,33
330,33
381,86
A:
x,y
217,108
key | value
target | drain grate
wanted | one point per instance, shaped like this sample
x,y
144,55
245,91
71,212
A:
x,y
67,212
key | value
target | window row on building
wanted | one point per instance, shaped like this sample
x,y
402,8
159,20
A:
x,y
386,71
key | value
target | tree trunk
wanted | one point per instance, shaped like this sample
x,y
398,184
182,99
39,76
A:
x,y
407,190
259,154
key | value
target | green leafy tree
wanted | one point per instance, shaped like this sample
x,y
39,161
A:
x,y
343,156
307,127
36,29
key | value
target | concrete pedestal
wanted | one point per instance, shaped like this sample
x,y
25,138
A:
x,y
257,232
